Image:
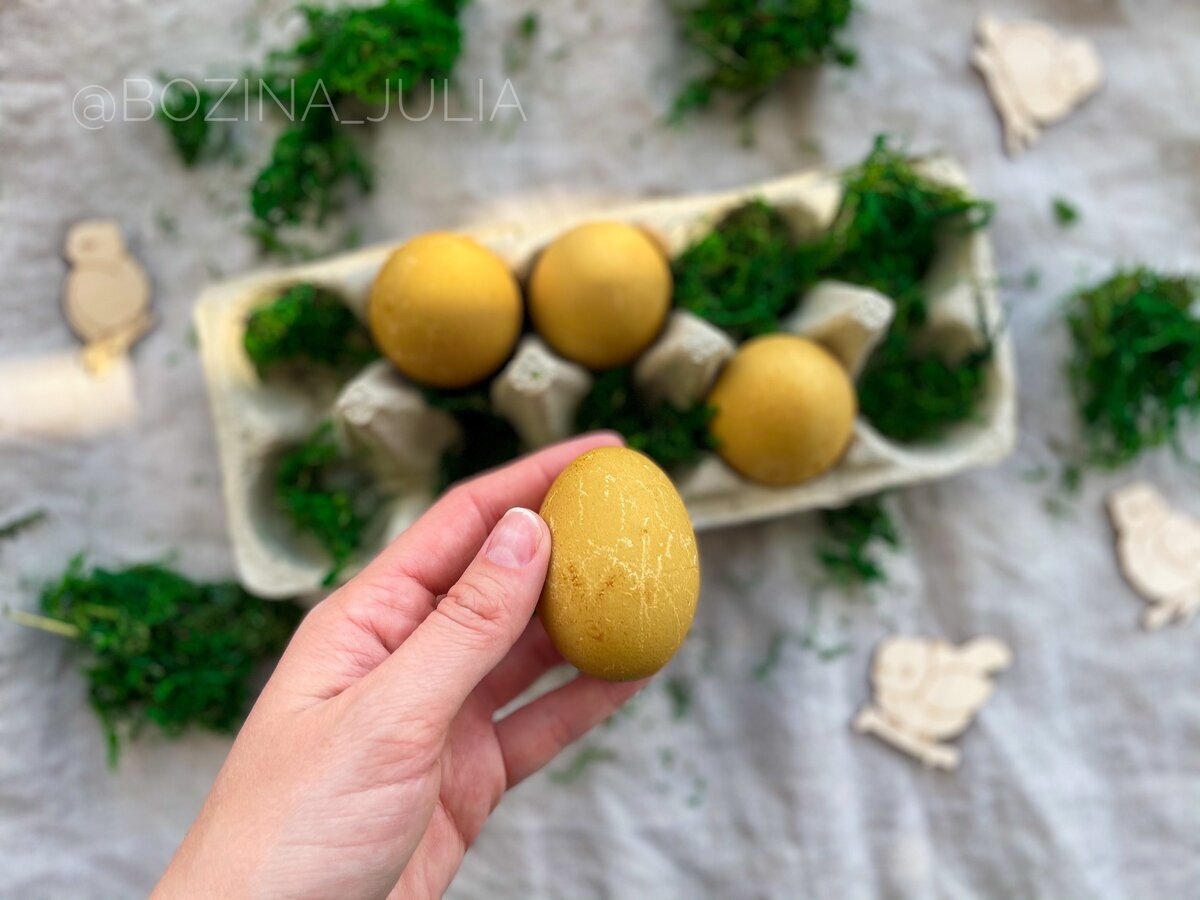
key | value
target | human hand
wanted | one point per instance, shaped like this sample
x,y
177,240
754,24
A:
x,y
372,758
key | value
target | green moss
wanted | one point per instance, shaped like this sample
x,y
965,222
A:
x,y
583,760
766,667
325,495
520,45
670,436
746,276
306,325
749,45
679,692
914,396
1065,213
164,650
742,275
186,110
853,533
487,441
1134,368
885,237
21,524
311,165
527,26
349,64
365,53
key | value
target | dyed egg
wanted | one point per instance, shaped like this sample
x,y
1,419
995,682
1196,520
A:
x,y
445,310
624,573
785,410
600,293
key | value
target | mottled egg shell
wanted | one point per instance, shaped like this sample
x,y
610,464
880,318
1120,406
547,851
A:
x,y
445,310
624,573
785,410
600,293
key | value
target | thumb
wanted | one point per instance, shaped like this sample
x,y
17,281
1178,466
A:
x,y
474,625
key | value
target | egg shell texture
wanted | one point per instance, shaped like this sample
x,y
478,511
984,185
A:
x,y
624,572
600,293
785,410
445,310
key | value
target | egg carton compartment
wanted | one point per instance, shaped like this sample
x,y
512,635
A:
x,y
538,392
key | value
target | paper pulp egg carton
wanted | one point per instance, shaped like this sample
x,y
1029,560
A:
x,y
378,413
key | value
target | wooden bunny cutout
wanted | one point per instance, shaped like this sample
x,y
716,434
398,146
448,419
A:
x,y
927,691
107,295
1036,77
1159,552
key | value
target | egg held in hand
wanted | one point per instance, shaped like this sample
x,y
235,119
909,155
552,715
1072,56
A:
x,y
445,310
600,294
785,410
624,573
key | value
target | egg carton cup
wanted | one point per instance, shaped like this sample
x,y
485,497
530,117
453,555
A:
x,y
388,421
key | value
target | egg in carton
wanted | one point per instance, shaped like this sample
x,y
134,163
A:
x,y
539,391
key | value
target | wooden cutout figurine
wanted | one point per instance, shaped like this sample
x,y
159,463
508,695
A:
x,y
927,691
1159,552
107,295
1036,77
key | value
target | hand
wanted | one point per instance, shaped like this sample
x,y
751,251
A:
x,y
373,756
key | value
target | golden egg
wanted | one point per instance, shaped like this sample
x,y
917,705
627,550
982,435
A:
x,y
785,410
445,310
600,294
624,573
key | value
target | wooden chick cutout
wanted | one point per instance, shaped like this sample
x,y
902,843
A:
x,y
1036,77
1159,552
927,691
107,295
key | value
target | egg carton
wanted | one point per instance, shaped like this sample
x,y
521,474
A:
x,y
377,413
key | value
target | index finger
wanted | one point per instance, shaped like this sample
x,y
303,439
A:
x,y
436,549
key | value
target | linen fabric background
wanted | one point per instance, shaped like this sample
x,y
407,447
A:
x,y
1082,776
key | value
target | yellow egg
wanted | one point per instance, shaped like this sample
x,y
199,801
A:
x,y
445,310
624,574
785,410
600,294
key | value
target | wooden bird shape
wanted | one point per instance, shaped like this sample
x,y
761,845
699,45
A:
x,y
106,298
1035,76
1159,551
926,691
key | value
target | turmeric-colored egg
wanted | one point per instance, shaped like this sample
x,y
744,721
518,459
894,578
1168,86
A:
x,y
445,310
600,293
785,410
624,573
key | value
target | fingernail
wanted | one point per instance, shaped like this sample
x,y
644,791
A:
x,y
514,541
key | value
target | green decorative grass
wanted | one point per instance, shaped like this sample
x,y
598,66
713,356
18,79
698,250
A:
x,y
670,436
309,326
1134,368
163,650
325,495
746,276
350,64
488,439
853,533
749,45
742,275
